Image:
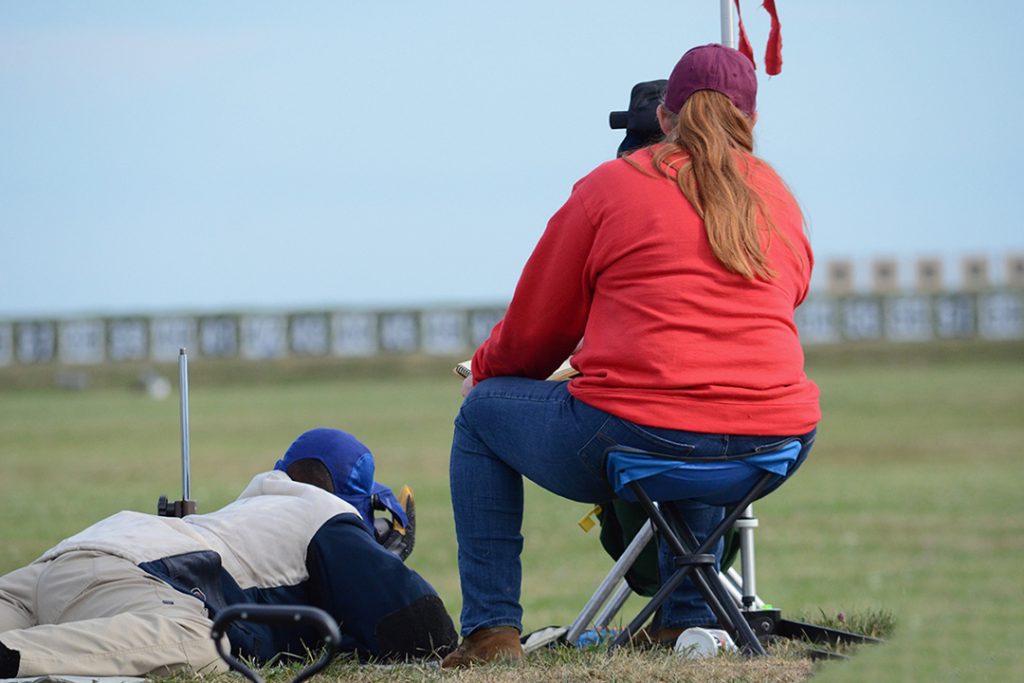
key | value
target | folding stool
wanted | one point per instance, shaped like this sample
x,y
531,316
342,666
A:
x,y
647,478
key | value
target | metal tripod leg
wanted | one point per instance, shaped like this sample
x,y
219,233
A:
x,y
613,606
611,583
745,526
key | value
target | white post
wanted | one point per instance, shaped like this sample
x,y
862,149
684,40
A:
x,y
746,524
728,24
186,487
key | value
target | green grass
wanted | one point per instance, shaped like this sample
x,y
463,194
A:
x,y
910,503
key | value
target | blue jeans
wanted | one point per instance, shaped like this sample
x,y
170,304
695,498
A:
x,y
511,427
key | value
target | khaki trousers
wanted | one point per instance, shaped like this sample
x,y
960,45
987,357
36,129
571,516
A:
x,y
94,614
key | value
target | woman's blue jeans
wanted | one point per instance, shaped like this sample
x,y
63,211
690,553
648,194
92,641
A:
x,y
510,427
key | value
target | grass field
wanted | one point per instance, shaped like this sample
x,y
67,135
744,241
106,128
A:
x,y
910,503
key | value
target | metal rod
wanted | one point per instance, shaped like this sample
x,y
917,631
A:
x,y
728,24
735,584
707,579
183,386
618,599
611,580
746,525
679,550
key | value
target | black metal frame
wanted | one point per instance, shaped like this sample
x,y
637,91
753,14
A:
x,y
277,614
695,560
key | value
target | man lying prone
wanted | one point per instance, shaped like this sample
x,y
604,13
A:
x,y
135,593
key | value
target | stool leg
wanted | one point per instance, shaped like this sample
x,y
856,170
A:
x,y
652,605
679,550
711,582
741,627
613,606
706,578
608,585
707,591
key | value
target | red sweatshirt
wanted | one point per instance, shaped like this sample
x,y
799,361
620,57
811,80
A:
x,y
671,338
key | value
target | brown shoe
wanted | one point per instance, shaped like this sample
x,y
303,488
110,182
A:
x,y
651,637
484,646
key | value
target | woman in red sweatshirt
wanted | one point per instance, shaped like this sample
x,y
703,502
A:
x,y
679,266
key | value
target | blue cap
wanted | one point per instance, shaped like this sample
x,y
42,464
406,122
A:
x,y
351,466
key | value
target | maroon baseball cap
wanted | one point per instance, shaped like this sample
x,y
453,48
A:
x,y
713,67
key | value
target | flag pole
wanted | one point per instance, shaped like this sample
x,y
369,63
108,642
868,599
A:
x,y
728,23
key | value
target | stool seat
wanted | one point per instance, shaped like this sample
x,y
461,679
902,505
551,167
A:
x,y
712,481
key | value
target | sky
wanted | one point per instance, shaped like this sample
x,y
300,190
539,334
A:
x,y
232,156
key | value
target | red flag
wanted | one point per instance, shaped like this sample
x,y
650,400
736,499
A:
x,y
745,47
773,50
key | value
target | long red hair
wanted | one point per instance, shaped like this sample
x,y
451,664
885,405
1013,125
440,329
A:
x,y
708,152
